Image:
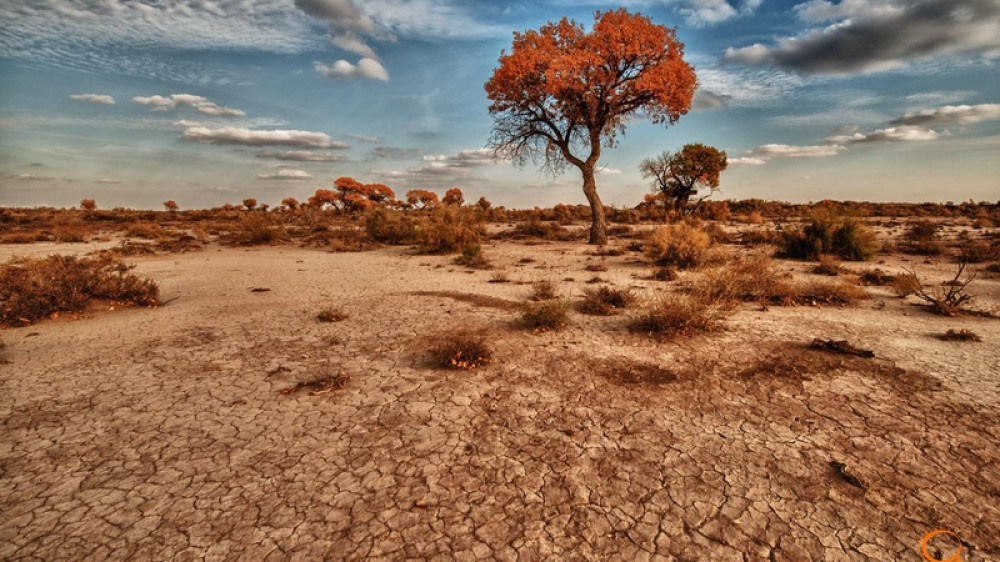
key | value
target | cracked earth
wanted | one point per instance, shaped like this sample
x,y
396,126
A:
x,y
156,434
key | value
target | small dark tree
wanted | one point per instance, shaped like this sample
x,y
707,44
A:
x,y
171,205
563,93
680,175
453,197
250,203
88,205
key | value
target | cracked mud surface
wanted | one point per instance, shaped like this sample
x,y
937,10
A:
x,y
163,434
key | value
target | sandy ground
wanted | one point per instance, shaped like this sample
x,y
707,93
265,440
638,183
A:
x,y
156,434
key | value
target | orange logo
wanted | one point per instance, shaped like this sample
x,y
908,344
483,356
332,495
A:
x,y
924,542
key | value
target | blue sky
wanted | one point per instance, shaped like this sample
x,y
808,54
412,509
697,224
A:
x,y
211,101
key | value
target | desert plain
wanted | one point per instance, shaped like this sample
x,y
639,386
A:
x,y
190,430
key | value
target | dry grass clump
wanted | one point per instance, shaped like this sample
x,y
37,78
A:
x,y
472,257
604,301
71,234
323,384
22,238
978,252
331,314
31,289
596,267
545,315
817,293
256,229
905,284
463,352
543,291
392,228
921,238
147,230
681,245
535,228
665,273
828,265
845,238
448,231
875,278
960,335
756,237
499,277
674,315
754,278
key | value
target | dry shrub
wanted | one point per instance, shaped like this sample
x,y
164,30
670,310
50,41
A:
x,y
596,267
905,284
324,384
257,228
757,237
978,252
922,230
875,278
448,231
31,289
960,335
499,277
604,301
543,291
674,315
816,293
754,218
535,228
952,298
754,278
665,273
462,351
682,245
828,265
71,234
472,256
331,314
343,238
827,234
147,230
22,238
545,315
390,227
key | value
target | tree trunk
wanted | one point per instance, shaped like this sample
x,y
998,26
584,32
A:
x,y
599,224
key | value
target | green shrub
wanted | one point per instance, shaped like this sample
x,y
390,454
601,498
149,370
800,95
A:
x,y
845,238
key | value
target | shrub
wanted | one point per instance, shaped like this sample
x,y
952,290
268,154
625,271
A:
x,y
499,277
447,231
674,315
816,292
681,245
71,234
596,267
254,229
827,234
952,298
960,335
331,314
606,300
472,256
148,230
543,291
905,284
978,252
463,352
31,289
754,278
921,231
388,227
545,315
875,277
828,265
665,273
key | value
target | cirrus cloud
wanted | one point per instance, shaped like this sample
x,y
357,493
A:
x,y
286,174
951,114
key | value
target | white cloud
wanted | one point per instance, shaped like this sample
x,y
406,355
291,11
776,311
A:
x,y
767,151
364,139
443,168
870,35
200,104
353,43
366,68
951,114
747,161
608,171
940,96
94,98
287,174
29,177
235,135
107,180
302,156
889,134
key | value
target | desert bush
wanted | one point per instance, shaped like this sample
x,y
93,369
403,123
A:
x,y
472,256
596,267
258,228
389,227
674,315
922,231
331,314
71,234
22,238
543,291
845,238
756,237
545,315
905,284
665,273
753,278
978,252
499,277
960,335
31,289
462,351
606,300
682,245
754,217
828,265
875,277
816,292
147,230
952,298
447,231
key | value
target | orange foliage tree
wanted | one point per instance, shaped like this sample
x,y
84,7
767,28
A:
x,y
88,205
453,197
563,93
421,199
171,205
250,203
352,195
290,203
680,175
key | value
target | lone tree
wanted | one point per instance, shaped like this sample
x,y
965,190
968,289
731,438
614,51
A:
x,y
680,175
563,93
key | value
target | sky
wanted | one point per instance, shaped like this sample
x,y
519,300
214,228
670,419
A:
x,y
206,102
